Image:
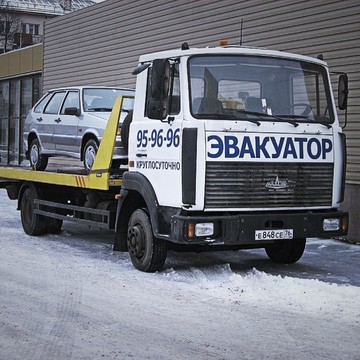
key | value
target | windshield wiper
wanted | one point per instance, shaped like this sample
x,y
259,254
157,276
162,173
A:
x,y
215,116
323,123
267,116
321,120
303,117
225,117
289,118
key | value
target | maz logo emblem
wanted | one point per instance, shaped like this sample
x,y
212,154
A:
x,y
277,184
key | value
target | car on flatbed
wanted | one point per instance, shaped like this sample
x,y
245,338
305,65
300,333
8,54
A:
x,y
70,122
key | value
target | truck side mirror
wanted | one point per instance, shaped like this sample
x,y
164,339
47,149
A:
x,y
160,79
343,91
157,106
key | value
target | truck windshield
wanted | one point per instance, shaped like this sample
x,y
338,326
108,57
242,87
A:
x,y
255,88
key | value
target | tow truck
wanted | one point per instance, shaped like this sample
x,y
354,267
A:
x,y
229,147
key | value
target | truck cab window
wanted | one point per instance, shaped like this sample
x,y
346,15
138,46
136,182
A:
x,y
313,100
245,87
235,94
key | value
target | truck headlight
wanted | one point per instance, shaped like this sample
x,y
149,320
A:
x,y
204,229
331,224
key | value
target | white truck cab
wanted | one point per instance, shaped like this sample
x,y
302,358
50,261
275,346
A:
x,y
232,147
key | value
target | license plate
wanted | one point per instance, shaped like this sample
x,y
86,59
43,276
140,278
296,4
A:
x,y
274,234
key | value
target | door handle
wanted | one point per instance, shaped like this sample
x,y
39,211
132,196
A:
x,y
57,120
141,155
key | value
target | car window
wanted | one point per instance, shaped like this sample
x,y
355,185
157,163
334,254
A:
x,y
39,108
54,104
71,101
102,99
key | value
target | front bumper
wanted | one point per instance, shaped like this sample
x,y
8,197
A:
x,y
240,229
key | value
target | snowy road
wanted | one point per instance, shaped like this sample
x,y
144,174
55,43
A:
x,y
69,296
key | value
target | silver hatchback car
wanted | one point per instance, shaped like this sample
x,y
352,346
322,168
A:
x,y
71,122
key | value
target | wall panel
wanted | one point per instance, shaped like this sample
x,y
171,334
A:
x,y
101,44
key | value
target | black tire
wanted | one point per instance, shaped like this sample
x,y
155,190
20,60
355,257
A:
x,y
54,226
286,251
125,128
37,160
33,224
89,153
147,253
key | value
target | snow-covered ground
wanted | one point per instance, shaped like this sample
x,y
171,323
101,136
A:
x,y
69,296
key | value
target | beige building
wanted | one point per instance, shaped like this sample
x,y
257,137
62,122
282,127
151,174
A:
x,y
100,45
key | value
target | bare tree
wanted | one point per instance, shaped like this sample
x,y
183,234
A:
x,y
9,24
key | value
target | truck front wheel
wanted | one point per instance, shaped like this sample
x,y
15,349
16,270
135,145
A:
x,y
286,251
33,224
147,253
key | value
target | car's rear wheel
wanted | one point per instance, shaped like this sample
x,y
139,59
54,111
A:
x,y
89,154
37,160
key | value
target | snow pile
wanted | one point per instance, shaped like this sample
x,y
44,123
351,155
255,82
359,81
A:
x,y
268,291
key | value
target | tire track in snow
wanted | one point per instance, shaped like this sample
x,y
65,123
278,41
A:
x,y
67,298
54,339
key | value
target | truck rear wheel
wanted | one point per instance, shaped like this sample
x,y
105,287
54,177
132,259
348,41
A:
x,y
33,224
147,253
286,251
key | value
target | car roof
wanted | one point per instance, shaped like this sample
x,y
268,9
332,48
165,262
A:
x,y
89,87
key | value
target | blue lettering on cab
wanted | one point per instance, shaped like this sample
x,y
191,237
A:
x,y
217,145
268,147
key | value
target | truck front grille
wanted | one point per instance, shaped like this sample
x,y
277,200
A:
x,y
270,185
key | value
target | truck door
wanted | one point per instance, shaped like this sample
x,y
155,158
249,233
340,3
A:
x,y
156,149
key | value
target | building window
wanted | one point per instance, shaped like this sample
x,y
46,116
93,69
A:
x,y
30,29
4,121
5,27
16,99
14,123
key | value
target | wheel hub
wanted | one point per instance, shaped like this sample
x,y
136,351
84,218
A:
x,y
90,157
136,241
34,155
